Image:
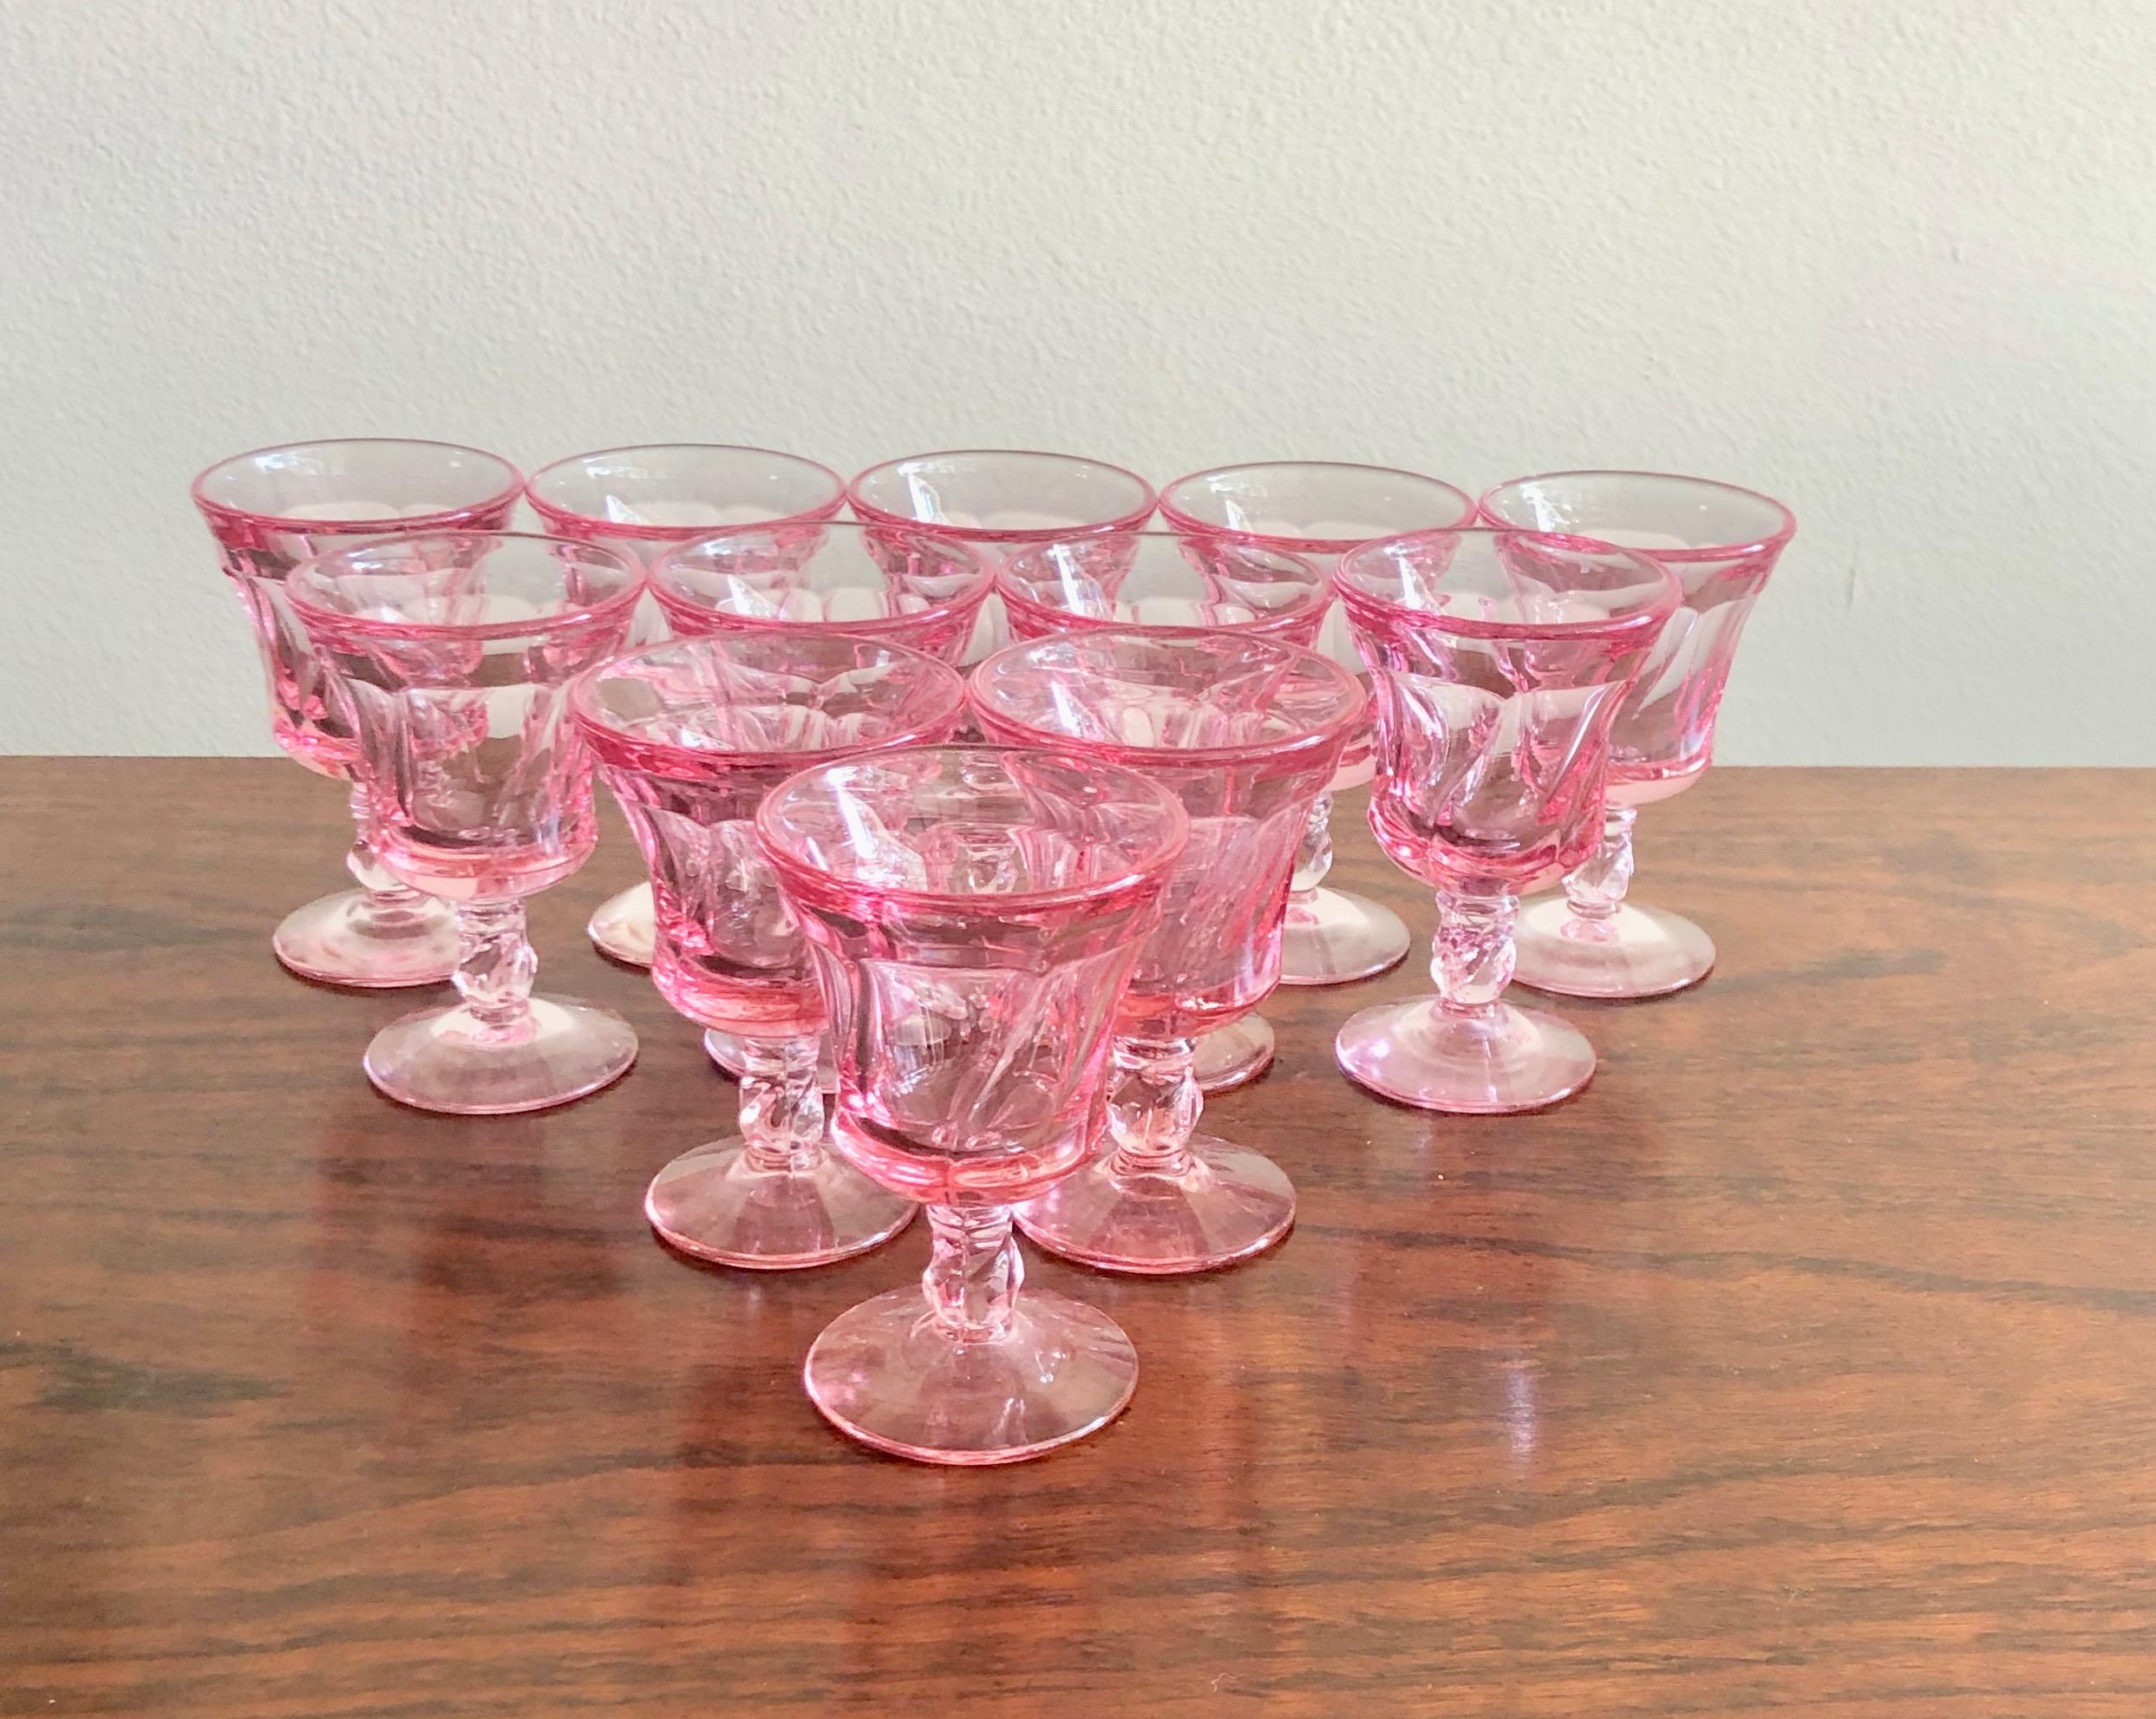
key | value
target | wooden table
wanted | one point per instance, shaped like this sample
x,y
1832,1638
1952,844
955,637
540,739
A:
x,y
1806,1364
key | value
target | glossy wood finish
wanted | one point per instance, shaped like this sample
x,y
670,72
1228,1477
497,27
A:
x,y
1806,1364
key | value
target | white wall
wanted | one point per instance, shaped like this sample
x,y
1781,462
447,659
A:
x,y
1894,261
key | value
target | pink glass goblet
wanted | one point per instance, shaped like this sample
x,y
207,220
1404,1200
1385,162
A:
x,y
1319,509
690,735
1721,543
1159,579
893,584
268,511
1500,660
1001,500
451,653
973,914
643,501
1244,732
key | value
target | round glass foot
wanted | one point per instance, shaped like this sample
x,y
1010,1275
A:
x,y
1493,1063
622,929
1229,1204
1333,937
445,1059
886,1373
345,939
713,1203
1637,951
725,1051
1228,1057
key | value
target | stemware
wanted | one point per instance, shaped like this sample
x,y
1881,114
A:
x,y
643,500
973,914
1159,579
894,584
1500,658
1721,543
268,511
999,499
450,654
690,735
1320,509
1246,732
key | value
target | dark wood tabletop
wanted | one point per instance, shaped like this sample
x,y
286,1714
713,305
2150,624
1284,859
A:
x,y
1805,1363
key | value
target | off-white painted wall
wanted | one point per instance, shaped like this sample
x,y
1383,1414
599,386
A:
x,y
1896,263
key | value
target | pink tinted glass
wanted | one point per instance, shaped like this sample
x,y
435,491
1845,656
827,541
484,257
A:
x,y
899,585
452,652
1246,732
1003,496
1313,506
974,913
1235,727
645,500
1499,659
1720,542
275,508
1158,580
455,651
690,735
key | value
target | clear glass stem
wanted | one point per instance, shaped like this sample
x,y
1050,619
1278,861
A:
x,y
1153,1104
1471,956
1595,888
390,906
974,1272
782,1106
1313,855
496,965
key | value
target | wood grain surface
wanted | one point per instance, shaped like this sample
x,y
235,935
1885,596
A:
x,y
1805,1363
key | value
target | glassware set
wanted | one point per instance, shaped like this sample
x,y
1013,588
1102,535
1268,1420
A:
x,y
1013,921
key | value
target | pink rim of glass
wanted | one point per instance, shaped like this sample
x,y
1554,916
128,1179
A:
x,y
1775,541
1641,621
981,685
448,518
1297,624
500,1049
939,627
974,1366
1167,1199
1593,939
336,622
1175,507
566,521
772,1196
1464,1049
1129,517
